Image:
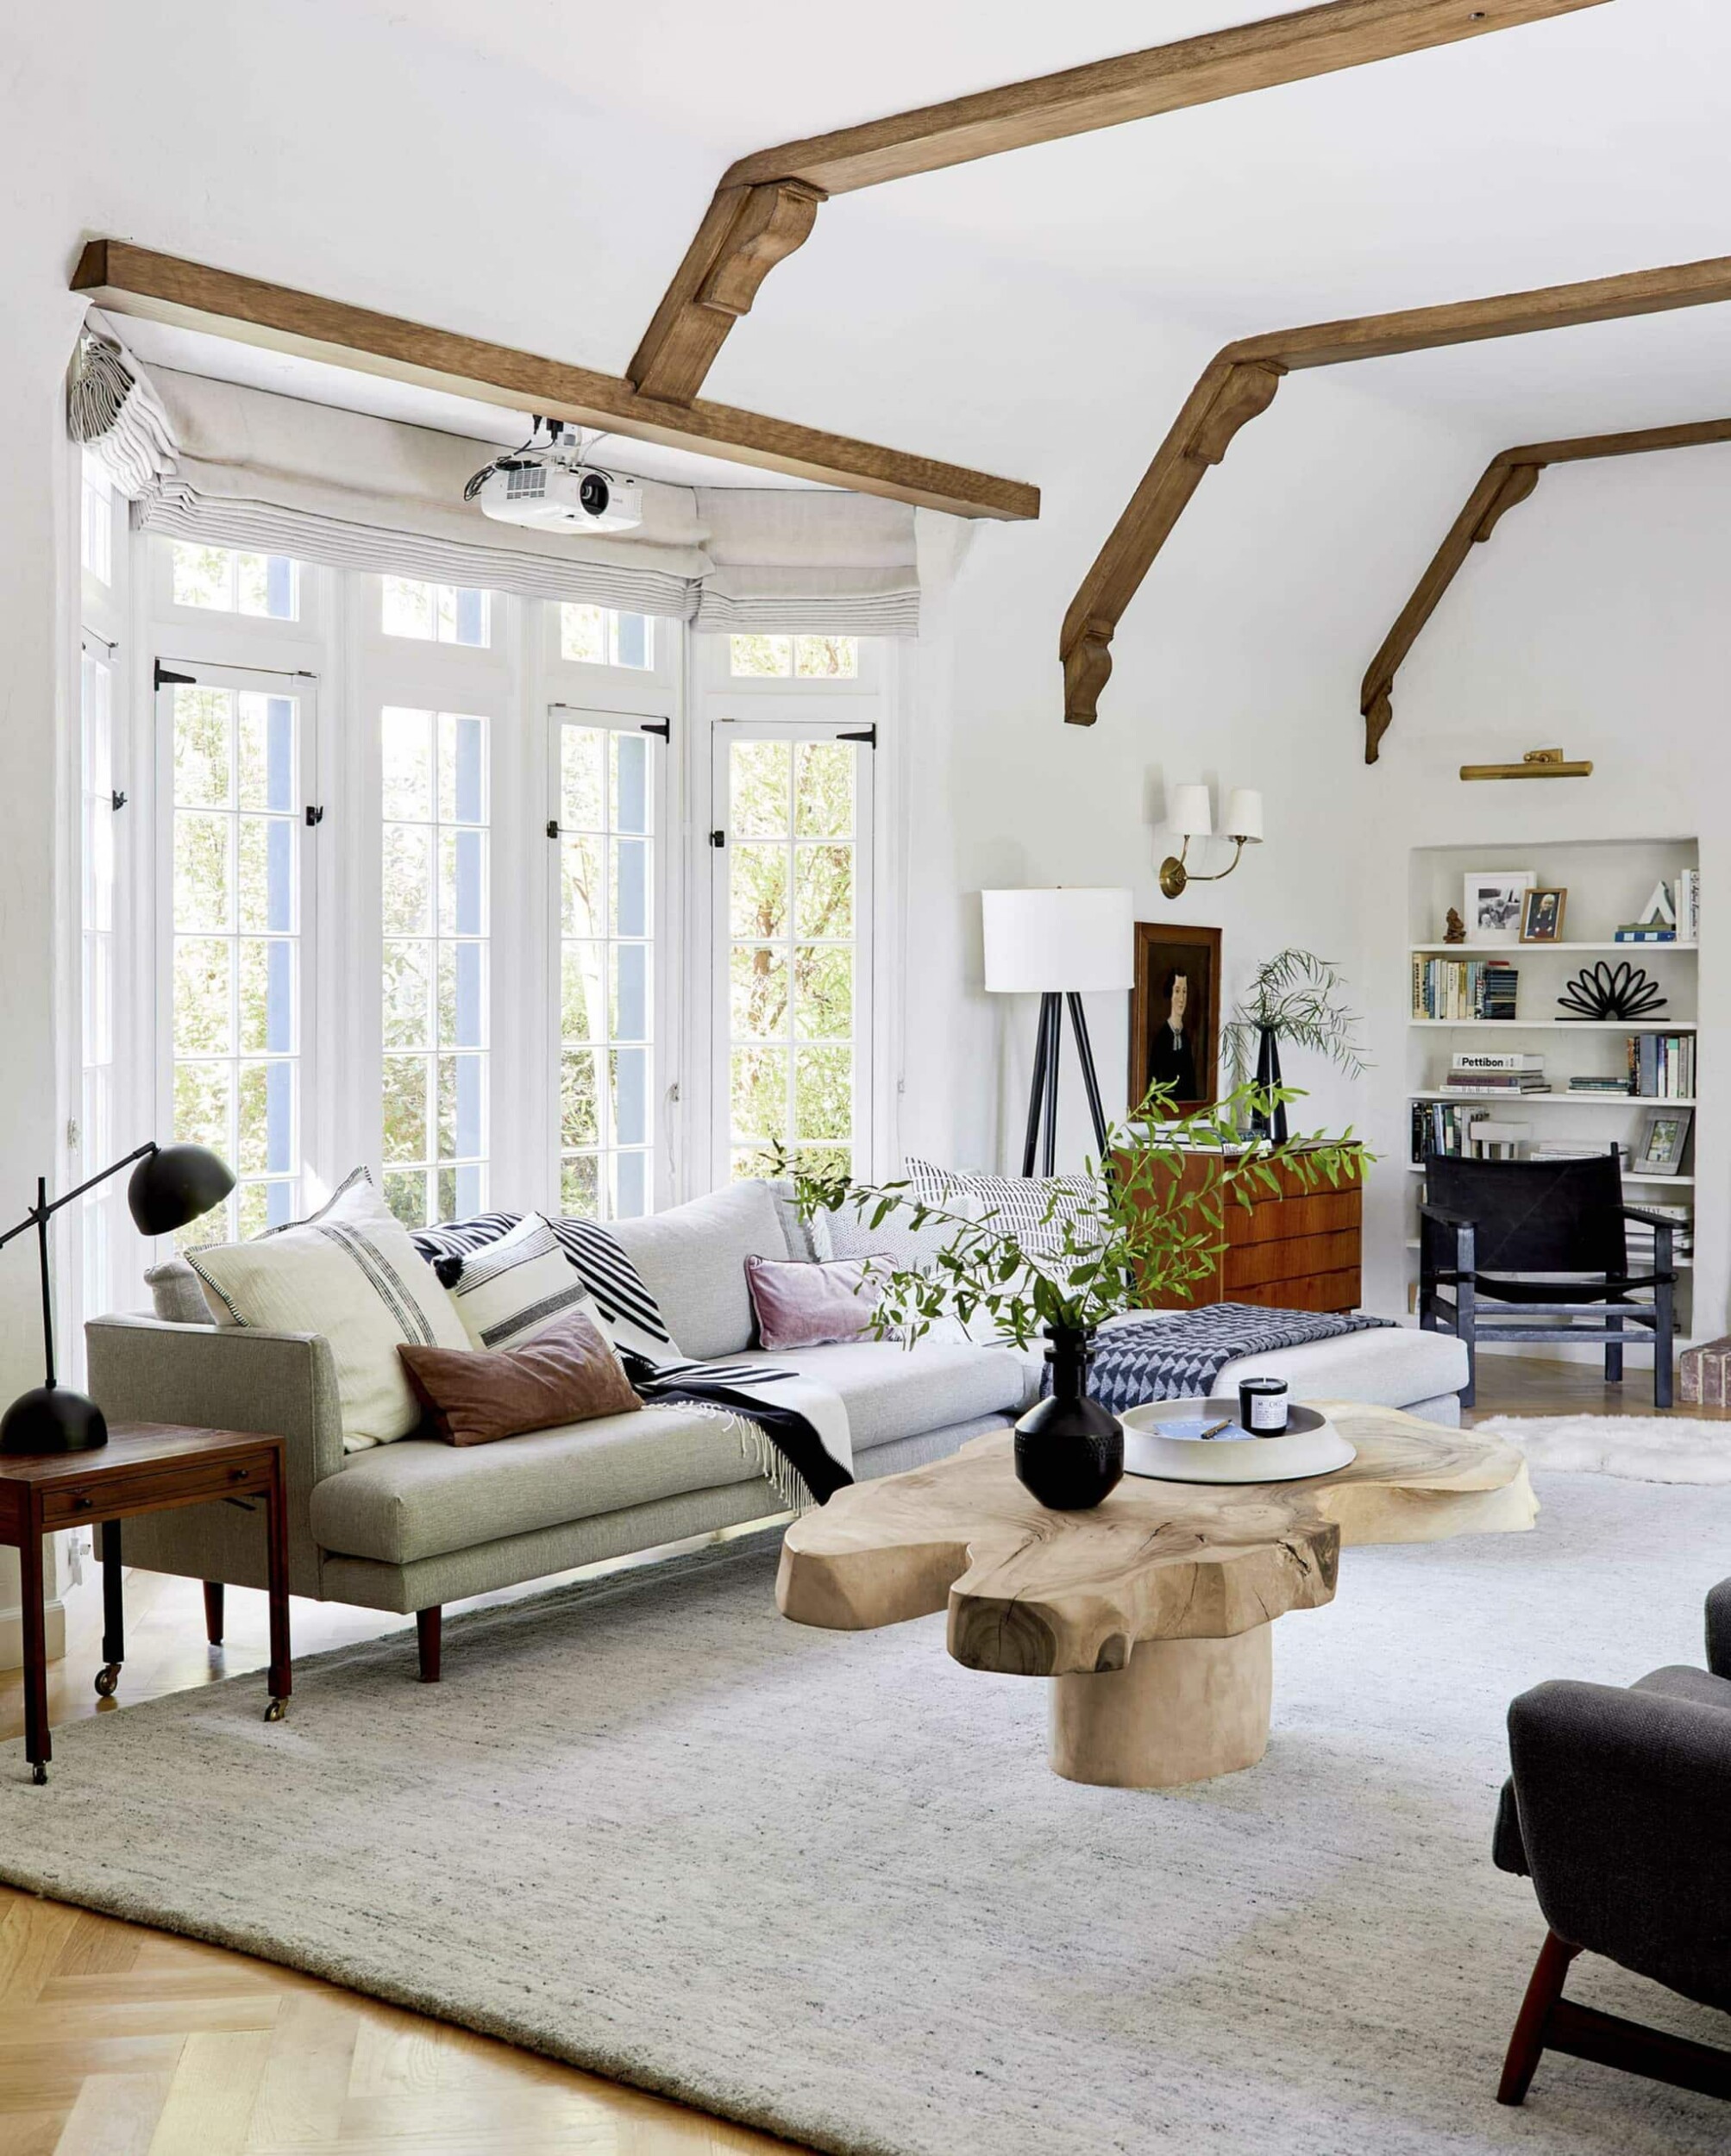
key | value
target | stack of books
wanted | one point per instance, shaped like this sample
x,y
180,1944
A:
x,y
1444,1127
1464,988
1673,913
1573,1149
1640,1239
1662,1066
1613,1088
1489,1071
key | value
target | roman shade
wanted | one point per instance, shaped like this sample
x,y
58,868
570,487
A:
x,y
227,465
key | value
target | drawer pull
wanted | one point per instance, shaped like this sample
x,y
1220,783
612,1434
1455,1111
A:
x,y
81,1502
239,1474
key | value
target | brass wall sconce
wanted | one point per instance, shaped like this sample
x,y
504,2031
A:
x,y
1537,763
1193,817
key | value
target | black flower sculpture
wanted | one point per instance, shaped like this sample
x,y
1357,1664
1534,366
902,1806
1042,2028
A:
x,y
1606,992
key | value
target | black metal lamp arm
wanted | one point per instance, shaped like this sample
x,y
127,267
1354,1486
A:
x,y
39,1217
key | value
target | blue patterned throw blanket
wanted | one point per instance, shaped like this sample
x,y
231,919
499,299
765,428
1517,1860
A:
x,y
1178,1354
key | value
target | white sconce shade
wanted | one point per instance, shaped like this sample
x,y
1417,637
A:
x,y
1190,814
1243,818
1071,941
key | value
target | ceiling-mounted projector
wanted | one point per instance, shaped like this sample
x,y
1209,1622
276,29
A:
x,y
549,486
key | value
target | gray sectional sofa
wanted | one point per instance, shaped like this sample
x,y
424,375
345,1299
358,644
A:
x,y
416,1524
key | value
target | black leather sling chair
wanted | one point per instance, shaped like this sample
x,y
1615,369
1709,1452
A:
x,y
1619,1810
1486,1229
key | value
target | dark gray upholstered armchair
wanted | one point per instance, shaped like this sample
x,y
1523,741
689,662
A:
x,y
1496,1235
1619,1810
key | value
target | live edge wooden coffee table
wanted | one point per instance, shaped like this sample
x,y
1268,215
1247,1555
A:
x,y
1153,1615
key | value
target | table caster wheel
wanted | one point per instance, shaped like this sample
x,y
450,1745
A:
x,y
39,1771
276,1710
107,1678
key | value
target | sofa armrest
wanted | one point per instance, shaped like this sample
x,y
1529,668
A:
x,y
1624,1801
223,1378
1719,1629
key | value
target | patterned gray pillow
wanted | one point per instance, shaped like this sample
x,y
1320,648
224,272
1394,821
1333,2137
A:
x,y
175,1294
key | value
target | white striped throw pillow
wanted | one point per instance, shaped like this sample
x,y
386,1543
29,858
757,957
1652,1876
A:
x,y
507,1291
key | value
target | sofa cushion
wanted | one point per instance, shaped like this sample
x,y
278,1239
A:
x,y
420,1498
692,1262
1391,1366
892,1391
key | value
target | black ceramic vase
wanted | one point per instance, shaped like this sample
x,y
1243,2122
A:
x,y
1069,1451
1268,1080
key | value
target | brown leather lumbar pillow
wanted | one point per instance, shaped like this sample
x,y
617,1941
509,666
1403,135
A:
x,y
566,1373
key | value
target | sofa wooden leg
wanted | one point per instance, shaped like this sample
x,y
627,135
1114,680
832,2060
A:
x,y
213,1612
1526,2044
428,1635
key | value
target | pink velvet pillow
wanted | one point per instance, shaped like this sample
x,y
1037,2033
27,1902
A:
x,y
799,1303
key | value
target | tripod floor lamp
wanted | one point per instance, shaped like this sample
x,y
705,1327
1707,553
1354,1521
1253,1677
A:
x,y
170,1186
1059,945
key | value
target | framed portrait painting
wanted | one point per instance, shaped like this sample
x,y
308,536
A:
x,y
1175,1016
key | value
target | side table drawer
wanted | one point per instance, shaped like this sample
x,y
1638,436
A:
x,y
149,1488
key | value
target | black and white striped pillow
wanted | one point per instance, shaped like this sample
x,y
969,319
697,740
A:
x,y
630,1313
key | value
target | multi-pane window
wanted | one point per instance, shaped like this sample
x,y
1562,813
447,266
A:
x,y
793,658
237,966
607,874
96,523
793,864
224,581
437,613
436,1019
96,921
597,636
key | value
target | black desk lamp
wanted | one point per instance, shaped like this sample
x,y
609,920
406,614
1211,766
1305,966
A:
x,y
171,1185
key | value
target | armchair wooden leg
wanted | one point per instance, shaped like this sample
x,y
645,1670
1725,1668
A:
x,y
213,1612
1614,1352
429,1629
1526,2044
1665,1301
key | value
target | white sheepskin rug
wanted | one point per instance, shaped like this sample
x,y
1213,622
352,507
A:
x,y
1641,1448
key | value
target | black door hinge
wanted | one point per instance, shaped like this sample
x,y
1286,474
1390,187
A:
x,y
163,679
867,735
553,827
116,802
718,838
657,726
314,816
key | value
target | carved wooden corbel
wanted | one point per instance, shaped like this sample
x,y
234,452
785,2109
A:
x,y
748,230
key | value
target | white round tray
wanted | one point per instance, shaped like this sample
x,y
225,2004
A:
x,y
1163,1441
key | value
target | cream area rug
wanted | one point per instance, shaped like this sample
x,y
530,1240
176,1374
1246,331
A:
x,y
1641,1448
825,1884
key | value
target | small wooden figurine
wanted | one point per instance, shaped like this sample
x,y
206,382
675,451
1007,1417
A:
x,y
1455,929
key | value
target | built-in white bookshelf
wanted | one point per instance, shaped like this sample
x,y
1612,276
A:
x,y
1608,883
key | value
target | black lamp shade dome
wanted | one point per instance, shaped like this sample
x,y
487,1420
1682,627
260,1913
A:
x,y
174,1185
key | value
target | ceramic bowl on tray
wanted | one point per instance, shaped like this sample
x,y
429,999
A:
x,y
1164,1440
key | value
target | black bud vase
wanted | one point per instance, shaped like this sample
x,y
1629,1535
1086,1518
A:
x,y
1268,1080
1069,1451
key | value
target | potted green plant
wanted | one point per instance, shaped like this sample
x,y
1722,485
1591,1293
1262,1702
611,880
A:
x,y
1294,996
1151,1231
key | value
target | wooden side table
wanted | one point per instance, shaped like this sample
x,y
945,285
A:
x,y
144,1467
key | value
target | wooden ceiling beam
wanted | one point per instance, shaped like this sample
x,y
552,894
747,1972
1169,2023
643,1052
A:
x,y
130,280
1508,480
1118,571
782,187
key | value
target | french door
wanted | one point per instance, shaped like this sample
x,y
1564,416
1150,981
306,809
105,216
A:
x,y
792,905
235,751
609,788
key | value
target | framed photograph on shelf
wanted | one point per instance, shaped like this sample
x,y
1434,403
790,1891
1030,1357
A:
x,y
1493,902
1175,1016
1541,916
1665,1142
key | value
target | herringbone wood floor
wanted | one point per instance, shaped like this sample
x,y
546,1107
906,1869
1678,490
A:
x,y
115,2042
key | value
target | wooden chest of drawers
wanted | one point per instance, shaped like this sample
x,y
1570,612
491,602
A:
x,y
1295,1249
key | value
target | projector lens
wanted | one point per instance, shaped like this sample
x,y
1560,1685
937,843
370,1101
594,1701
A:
x,y
592,491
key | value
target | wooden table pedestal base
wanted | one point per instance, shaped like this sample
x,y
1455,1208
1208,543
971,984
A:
x,y
1181,1710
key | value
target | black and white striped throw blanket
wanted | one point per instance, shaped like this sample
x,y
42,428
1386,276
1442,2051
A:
x,y
794,1430
1178,1354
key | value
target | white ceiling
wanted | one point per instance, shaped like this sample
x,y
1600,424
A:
x,y
970,314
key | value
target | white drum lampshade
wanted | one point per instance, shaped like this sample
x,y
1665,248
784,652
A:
x,y
1189,813
1243,818
1068,940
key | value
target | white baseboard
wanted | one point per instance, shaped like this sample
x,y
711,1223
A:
x,y
12,1634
